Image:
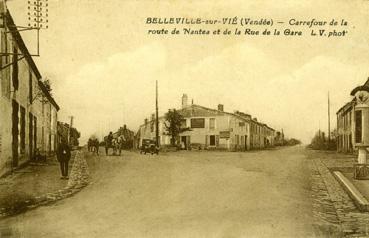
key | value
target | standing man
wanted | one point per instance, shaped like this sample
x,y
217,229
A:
x,y
121,140
63,155
108,142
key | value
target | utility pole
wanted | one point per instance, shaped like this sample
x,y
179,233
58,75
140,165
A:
x,y
329,120
157,117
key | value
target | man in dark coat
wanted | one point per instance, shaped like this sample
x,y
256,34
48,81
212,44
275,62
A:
x,y
63,155
108,142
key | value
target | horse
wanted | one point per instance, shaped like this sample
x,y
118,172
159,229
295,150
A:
x,y
119,142
117,145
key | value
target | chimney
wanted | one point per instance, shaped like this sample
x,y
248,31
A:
x,y
255,119
221,107
145,121
184,100
3,10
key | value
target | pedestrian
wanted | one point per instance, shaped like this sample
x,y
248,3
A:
x,y
120,143
108,142
63,155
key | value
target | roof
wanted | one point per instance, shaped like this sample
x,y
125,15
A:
x,y
360,88
345,107
22,46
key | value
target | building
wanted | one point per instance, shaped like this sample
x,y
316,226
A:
x,y
211,129
346,124
345,128
28,112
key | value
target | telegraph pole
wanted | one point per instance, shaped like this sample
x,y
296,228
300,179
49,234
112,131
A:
x,y
329,120
157,117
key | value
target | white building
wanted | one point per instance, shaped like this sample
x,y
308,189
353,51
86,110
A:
x,y
207,129
28,113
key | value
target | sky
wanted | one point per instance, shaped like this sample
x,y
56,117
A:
x,y
103,65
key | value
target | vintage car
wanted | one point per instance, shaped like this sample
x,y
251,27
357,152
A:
x,y
149,146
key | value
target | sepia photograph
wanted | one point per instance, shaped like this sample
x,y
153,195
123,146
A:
x,y
188,119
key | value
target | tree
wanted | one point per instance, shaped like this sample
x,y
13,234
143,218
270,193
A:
x,y
293,141
173,124
320,142
47,84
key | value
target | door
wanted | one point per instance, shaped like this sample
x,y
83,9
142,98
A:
x,y
184,142
15,132
35,134
30,135
212,140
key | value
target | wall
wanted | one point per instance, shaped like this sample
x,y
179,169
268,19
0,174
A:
x,y
345,130
40,108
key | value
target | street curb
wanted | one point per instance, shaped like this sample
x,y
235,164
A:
x,y
360,201
79,178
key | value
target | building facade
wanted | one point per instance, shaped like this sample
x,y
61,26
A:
x,y
28,113
345,128
350,126
209,129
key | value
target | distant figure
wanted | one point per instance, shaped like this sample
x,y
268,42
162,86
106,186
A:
x,y
120,142
108,142
95,146
63,155
89,145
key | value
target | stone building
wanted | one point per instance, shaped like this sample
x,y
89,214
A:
x,y
28,112
211,129
346,125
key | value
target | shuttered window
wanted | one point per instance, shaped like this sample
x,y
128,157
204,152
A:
x,y
15,69
358,126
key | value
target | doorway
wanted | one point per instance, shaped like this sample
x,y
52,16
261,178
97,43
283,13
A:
x,y
212,140
184,142
30,136
15,133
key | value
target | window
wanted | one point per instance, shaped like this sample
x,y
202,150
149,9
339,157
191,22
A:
x,y
198,123
183,123
5,80
358,127
212,123
15,69
30,87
